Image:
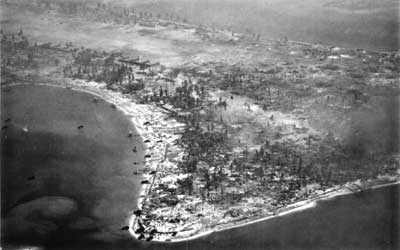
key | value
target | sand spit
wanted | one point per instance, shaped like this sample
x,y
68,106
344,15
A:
x,y
290,209
160,133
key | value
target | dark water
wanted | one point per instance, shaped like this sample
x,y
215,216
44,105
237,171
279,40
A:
x,y
366,220
59,182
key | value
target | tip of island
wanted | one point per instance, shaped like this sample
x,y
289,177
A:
x,y
242,130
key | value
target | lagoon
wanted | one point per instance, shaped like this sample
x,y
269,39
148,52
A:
x,y
74,188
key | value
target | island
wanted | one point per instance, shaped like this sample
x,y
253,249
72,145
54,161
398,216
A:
x,y
250,130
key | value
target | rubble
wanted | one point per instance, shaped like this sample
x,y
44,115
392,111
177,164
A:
x,y
231,143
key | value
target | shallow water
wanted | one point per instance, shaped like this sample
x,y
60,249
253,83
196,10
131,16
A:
x,y
76,166
59,181
366,220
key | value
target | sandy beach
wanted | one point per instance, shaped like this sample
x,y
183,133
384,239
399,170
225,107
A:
x,y
290,209
153,125
129,108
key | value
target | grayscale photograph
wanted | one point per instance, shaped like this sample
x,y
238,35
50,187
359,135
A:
x,y
200,124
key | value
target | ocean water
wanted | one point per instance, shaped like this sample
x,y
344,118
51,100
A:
x,y
59,182
365,220
83,187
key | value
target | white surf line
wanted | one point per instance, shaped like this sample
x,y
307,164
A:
x,y
146,191
297,207
310,203
139,114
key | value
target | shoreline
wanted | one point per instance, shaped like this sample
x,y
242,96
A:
x,y
310,203
138,118
139,115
